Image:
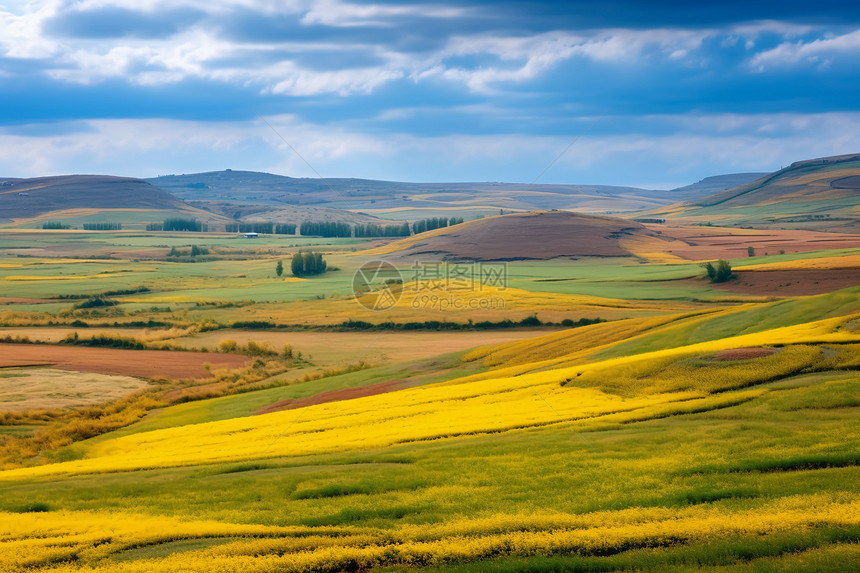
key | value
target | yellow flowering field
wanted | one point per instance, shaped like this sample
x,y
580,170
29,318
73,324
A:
x,y
71,541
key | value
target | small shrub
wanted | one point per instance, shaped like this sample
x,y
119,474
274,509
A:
x,y
227,346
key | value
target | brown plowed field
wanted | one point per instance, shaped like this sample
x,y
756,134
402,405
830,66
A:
x,y
151,364
792,282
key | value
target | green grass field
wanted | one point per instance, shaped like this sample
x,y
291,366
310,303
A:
x,y
656,441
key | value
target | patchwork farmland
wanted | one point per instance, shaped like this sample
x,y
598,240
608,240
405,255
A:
x,y
493,401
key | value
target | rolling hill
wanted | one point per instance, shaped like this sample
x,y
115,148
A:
x,y
534,235
79,195
817,194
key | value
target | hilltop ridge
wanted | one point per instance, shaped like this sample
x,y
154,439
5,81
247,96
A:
x,y
813,194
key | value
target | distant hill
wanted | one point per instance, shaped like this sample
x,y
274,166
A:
x,y
537,235
33,198
398,200
816,194
715,184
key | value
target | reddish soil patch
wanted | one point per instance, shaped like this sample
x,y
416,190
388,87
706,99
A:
x,y
743,353
141,363
21,300
792,282
699,243
332,396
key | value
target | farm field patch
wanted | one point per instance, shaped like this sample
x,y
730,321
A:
x,y
330,348
47,388
144,363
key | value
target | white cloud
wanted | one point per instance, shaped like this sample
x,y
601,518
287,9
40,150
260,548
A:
x,y
531,56
815,52
21,34
143,62
754,30
343,82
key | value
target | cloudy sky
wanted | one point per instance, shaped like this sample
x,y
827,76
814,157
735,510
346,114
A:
x,y
615,92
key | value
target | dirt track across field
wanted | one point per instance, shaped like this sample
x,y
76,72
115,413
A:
x,y
151,364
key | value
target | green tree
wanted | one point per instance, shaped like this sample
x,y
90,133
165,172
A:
x,y
195,250
279,268
719,272
306,264
750,251
297,265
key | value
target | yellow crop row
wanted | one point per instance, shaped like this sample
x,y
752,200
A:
x,y
847,261
416,292
565,343
89,539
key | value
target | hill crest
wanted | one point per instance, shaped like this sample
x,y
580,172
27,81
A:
x,y
28,198
538,235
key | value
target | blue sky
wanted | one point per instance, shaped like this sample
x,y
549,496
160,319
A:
x,y
651,94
